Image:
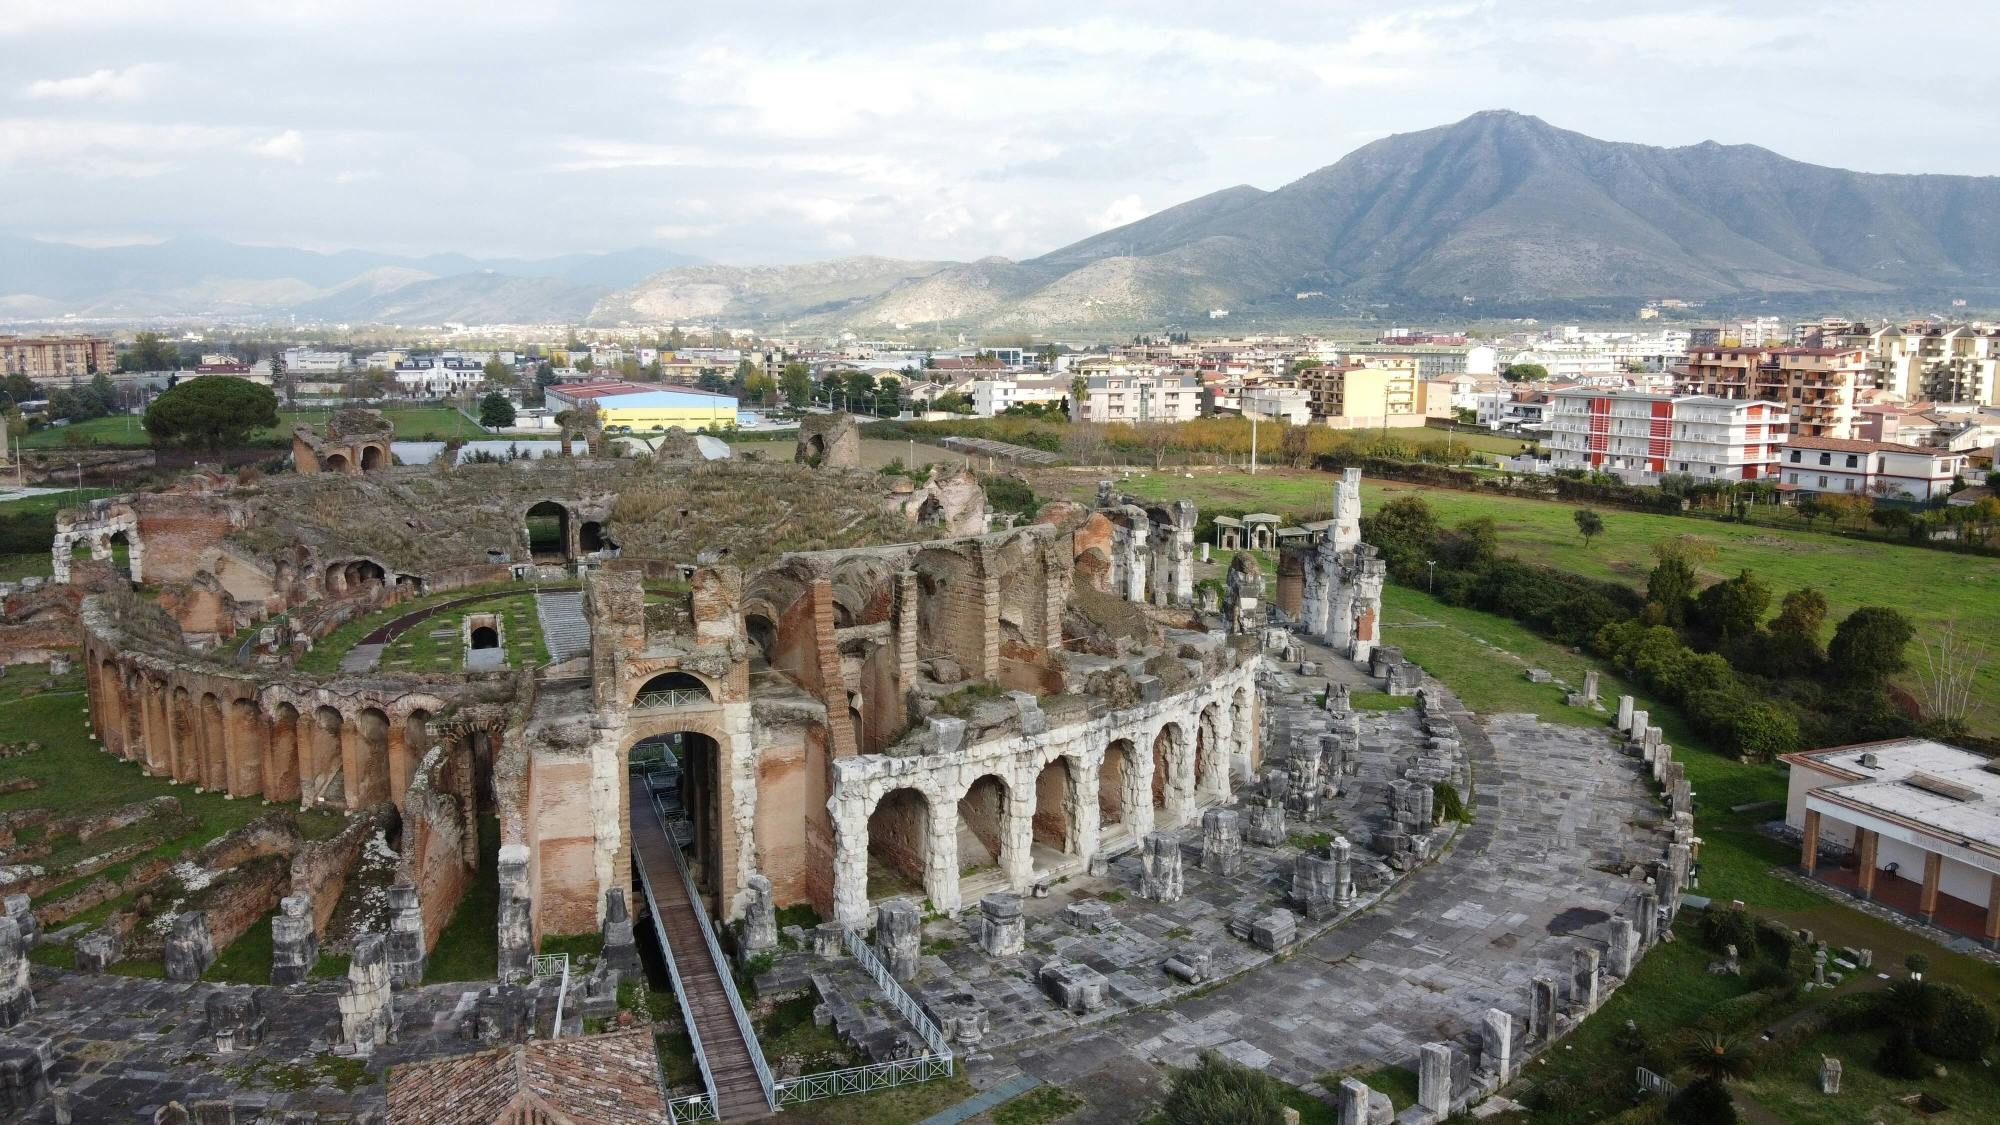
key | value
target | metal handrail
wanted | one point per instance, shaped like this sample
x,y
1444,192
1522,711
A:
x,y
901,1000
548,965
863,1079
680,995
755,1050
672,697
696,1108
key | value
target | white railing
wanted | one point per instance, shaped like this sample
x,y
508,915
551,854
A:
x,y
863,1079
721,963
553,965
903,1001
702,1106
671,698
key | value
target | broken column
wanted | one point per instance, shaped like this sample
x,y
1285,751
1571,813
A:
x,y
898,927
1590,686
517,938
406,936
366,1020
1002,930
621,947
1160,868
1496,1044
1075,987
1314,886
1637,727
1354,1099
100,949
18,908
1542,1010
1624,951
1829,1075
1221,842
1586,978
760,918
190,947
17,996
236,1020
23,1076
1343,869
1624,713
294,945
1649,920
1434,1078
1265,826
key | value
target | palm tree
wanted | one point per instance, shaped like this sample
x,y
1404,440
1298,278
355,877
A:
x,y
1717,1057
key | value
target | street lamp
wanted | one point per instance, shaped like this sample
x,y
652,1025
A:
x,y
1430,579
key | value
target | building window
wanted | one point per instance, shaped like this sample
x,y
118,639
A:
x,y
1826,458
1795,456
1853,461
1822,482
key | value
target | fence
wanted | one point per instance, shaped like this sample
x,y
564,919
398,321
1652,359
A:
x,y
700,1107
939,1063
671,698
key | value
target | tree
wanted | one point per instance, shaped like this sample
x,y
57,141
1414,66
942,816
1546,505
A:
x,y
283,380
1157,438
1810,510
1792,641
741,376
1702,1102
1868,645
211,413
859,387
498,376
495,412
1293,444
1079,393
1524,372
1846,507
796,381
1949,662
1215,1091
150,353
1671,587
584,363
1588,524
106,394
1962,1027
760,387
952,402
1732,609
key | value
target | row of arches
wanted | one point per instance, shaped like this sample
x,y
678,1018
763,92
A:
x,y
349,757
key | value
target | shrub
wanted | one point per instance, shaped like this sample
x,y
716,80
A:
x,y
1704,1101
1448,805
1961,1028
1899,1057
1723,928
1215,1091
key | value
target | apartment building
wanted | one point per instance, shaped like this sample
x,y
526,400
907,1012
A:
x,y
1868,468
1818,387
1641,437
1277,400
307,361
1956,364
1382,393
1434,360
1135,392
994,396
56,357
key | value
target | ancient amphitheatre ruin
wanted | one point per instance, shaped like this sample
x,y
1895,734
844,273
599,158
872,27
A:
x,y
806,722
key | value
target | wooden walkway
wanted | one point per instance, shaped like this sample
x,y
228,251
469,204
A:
x,y
738,1093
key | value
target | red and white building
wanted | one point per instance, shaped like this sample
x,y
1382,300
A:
x,y
1641,437
1868,468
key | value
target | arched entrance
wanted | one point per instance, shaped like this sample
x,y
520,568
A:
x,y
547,526
1054,833
121,554
673,689
334,463
982,825
680,771
372,458
371,762
815,450
1114,780
590,538
485,636
899,845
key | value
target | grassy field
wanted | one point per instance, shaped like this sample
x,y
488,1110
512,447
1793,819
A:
x,y
413,423
326,653
1931,587
416,650
469,947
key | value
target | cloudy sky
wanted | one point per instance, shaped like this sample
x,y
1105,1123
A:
x,y
781,131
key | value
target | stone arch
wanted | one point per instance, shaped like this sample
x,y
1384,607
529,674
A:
x,y
281,779
181,729
127,566
815,450
982,822
335,463
590,538
1173,772
698,785
1057,793
214,749
371,758
1211,755
246,748
763,635
373,457
485,636
545,525
324,774
864,590
899,844
134,703
673,680
1118,776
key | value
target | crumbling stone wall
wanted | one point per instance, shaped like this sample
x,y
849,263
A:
x,y
355,441
828,441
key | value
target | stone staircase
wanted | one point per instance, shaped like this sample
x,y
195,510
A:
x,y
860,1015
564,629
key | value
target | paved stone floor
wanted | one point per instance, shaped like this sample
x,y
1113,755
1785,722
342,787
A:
x,y
1561,818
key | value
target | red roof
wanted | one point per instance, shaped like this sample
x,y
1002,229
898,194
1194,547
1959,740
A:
x,y
1854,445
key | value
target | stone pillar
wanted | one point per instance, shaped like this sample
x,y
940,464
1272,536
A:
x,y
1809,843
294,945
1002,931
621,946
1586,978
1354,1098
899,925
190,948
1135,563
1542,1010
19,909
406,936
100,949
1590,686
1624,953
516,922
1829,1075
1085,824
366,1019
1927,899
1161,867
1266,826
940,857
1496,1044
1434,1078
850,864
760,918
24,1077
1017,834
17,995
1649,920
1221,842
1637,726
1343,869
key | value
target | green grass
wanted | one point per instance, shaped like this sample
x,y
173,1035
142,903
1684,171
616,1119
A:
x,y
1788,1085
13,568
1399,1082
574,945
324,658
1379,701
469,947
417,651
1038,1106
248,958
902,1105
1311,1110
413,423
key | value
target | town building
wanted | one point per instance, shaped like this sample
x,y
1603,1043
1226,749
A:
x,y
1383,393
1868,468
438,376
1276,400
635,406
56,357
1136,392
1820,387
1641,437
1944,364
995,395
1910,823
309,361
1435,360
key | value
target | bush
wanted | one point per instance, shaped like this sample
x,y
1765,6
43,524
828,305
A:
x,y
1899,1057
1704,1101
1961,1028
1723,928
1215,1091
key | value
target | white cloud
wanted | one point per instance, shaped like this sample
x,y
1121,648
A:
x,y
288,145
104,85
1125,209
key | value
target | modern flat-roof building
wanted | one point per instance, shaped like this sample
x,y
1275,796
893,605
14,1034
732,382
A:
x,y
1379,394
995,395
1640,437
1910,823
1136,392
1819,386
53,357
1868,468
658,409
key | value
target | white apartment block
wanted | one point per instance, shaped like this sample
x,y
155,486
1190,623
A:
x,y
994,396
1288,404
306,361
1867,468
1640,437
1136,392
1960,364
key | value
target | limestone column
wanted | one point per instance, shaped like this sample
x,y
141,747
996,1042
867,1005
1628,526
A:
x,y
1496,1043
1586,978
1434,1078
1542,1010
1081,798
1933,869
1624,953
850,865
899,928
1809,843
1135,565
941,857
1138,796
1354,1098
1017,835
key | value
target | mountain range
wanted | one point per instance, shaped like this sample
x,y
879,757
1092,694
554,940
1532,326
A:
x,y
1498,210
